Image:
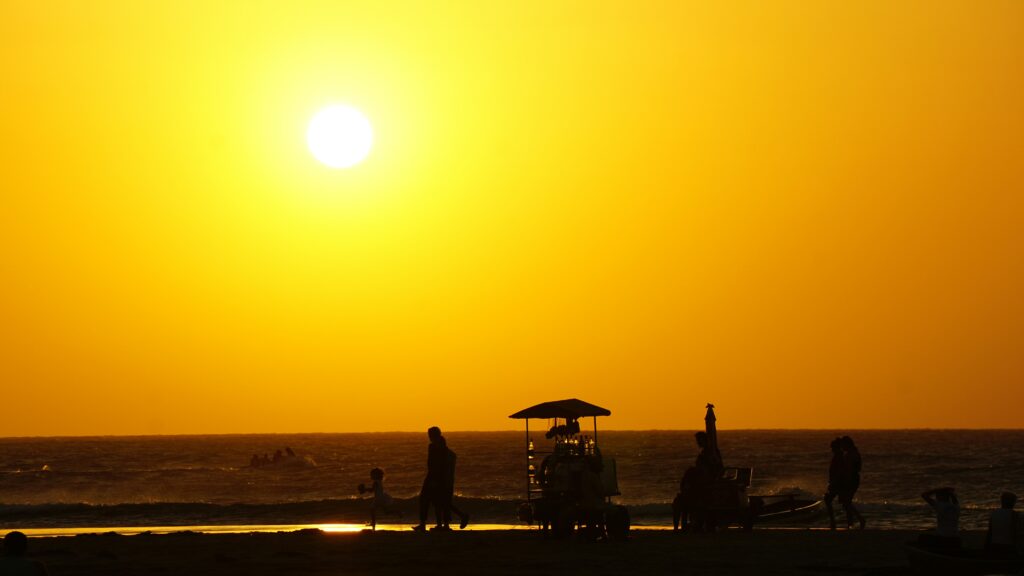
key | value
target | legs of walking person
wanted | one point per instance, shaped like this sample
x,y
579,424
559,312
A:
x,y
426,499
678,513
860,517
829,497
463,517
441,510
852,514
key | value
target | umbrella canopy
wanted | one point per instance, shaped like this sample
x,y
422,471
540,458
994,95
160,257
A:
x,y
569,409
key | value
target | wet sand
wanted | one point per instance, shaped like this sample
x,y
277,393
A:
x,y
512,552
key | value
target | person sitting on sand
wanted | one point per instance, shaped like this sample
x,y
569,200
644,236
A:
x,y
289,452
837,477
381,499
255,461
947,516
851,465
14,563
1004,528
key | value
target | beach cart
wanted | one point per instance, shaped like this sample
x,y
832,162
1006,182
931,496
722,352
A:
x,y
569,483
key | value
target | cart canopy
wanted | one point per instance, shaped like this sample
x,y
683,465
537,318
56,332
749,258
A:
x,y
568,409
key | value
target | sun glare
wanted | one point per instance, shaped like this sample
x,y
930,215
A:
x,y
339,136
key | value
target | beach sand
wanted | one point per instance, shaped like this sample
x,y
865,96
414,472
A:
x,y
513,552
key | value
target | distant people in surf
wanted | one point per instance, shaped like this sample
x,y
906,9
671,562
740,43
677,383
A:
x,y
439,485
947,518
257,461
381,500
844,481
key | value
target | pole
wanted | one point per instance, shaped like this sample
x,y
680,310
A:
x,y
527,459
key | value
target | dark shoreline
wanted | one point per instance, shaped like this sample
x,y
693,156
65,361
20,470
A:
x,y
511,552
102,517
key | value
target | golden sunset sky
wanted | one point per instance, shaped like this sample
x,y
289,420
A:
x,y
810,213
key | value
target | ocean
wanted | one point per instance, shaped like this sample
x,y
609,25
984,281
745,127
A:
x,y
206,480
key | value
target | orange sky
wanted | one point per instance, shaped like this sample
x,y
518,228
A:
x,y
810,213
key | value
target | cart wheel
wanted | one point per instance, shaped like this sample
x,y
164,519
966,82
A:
x,y
525,513
617,523
752,512
563,521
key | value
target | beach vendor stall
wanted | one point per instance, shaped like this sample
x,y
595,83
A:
x,y
570,485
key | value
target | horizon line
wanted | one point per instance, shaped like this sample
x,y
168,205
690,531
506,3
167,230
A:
x,y
516,430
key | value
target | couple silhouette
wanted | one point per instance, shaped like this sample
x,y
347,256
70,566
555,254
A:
x,y
439,485
843,481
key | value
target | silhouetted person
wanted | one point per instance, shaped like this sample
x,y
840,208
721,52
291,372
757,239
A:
x,y
837,479
592,499
288,450
381,499
852,464
255,461
448,494
568,429
695,486
436,482
1004,528
947,517
14,563
277,456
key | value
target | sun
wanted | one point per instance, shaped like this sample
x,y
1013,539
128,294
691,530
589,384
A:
x,y
339,136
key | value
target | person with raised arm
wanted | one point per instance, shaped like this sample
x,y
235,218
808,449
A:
x,y
947,518
381,501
